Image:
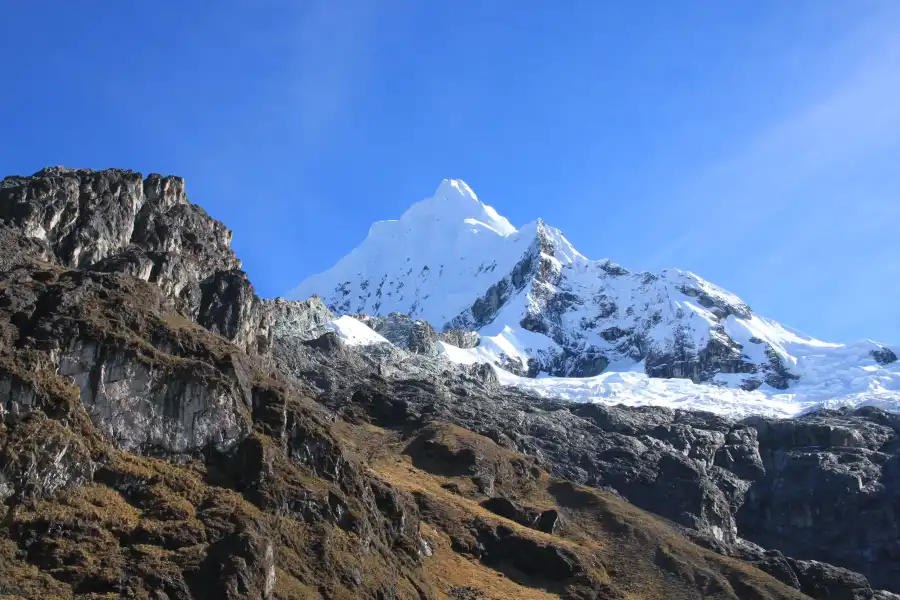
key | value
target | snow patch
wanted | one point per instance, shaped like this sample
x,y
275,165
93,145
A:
x,y
848,377
354,333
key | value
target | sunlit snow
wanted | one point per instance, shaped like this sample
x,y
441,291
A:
x,y
830,380
355,333
445,252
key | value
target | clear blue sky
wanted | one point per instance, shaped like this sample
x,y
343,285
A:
x,y
755,142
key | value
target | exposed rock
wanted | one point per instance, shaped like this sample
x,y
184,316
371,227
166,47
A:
x,y
292,321
884,355
830,490
114,220
16,247
414,335
820,580
142,393
548,521
460,338
510,510
588,362
229,307
40,457
240,566
534,265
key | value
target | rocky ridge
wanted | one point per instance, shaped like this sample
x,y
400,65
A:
x,y
167,434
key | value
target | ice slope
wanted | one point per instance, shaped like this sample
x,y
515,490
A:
x,y
542,308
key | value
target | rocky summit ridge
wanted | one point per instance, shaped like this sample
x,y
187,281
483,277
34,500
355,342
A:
x,y
166,434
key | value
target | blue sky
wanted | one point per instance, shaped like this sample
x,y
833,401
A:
x,y
756,143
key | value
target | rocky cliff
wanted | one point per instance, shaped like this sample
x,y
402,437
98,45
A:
x,y
164,433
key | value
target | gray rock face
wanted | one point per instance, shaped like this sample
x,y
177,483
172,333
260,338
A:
x,y
884,356
16,247
85,326
460,338
831,490
39,457
229,307
241,565
536,267
143,408
292,321
414,335
815,579
115,221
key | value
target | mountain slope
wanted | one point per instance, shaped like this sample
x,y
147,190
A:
x,y
541,308
165,433
154,444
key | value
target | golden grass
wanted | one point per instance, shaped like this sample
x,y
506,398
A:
x,y
400,473
288,588
20,580
96,504
451,570
641,554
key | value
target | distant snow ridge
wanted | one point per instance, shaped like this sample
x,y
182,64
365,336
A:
x,y
563,325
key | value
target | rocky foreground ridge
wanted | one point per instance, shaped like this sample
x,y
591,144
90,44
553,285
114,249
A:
x,y
166,434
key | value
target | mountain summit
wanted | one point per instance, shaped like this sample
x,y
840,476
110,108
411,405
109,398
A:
x,y
541,308
433,262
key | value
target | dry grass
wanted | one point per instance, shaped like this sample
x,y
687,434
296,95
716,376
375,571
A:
x,y
400,473
21,580
641,554
451,570
93,503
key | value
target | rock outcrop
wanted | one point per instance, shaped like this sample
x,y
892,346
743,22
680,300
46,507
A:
x,y
116,221
414,335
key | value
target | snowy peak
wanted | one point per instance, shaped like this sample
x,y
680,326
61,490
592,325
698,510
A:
x,y
541,308
453,206
454,190
432,263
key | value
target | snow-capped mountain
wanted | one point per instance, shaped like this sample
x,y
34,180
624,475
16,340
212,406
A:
x,y
541,308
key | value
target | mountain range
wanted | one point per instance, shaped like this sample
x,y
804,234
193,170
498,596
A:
x,y
525,300
166,434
